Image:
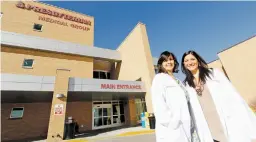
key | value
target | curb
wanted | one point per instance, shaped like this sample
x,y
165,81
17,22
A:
x,y
76,140
136,133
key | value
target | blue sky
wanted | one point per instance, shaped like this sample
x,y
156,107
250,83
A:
x,y
206,27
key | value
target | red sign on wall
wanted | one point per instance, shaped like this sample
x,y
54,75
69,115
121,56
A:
x,y
58,109
119,86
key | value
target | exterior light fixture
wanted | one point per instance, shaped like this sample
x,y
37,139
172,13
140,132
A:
x,y
60,96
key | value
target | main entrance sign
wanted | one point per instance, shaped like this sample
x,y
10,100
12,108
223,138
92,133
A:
x,y
120,86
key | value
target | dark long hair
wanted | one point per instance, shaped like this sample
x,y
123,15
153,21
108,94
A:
x,y
165,56
204,71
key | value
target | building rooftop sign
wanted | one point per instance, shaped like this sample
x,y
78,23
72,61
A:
x,y
55,14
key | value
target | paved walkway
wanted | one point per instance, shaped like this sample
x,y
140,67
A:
x,y
110,133
133,138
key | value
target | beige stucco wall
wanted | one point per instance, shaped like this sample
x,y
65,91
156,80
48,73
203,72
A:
x,y
19,20
56,127
239,64
45,63
216,64
137,63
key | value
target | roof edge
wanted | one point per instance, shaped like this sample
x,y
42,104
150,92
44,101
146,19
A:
x,y
63,8
139,23
237,44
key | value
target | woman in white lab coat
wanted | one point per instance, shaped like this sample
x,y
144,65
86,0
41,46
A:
x,y
169,102
220,112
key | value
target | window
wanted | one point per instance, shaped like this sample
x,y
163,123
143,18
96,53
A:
x,y
38,27
28,63
140,107
17,112
96,74
108,112
118,112
101,74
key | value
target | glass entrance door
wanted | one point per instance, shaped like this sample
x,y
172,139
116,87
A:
x,y
108,114
102,115
118,112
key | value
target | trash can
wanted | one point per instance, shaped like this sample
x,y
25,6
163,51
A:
x,y
69,129
152,121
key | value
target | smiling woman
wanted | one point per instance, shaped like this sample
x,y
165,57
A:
x,y
170,103
215,98
192,64
167,63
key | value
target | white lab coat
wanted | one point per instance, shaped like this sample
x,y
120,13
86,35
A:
x,y
237,119
170,109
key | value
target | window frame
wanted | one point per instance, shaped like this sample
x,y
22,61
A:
x,y
106,73
28,67
37,29
17,117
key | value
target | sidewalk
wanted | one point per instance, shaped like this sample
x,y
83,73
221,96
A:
x,y
109,133
118,132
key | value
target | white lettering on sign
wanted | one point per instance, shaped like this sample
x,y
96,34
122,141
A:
x,y
119,86
58,109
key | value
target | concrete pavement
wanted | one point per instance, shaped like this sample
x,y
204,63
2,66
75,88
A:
x,y
115,134
131,138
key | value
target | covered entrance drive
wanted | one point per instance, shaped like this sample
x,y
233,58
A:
x,y
99,110
104,103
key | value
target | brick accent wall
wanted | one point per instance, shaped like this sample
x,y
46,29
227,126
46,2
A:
x,y
132,112
82,113
33,124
